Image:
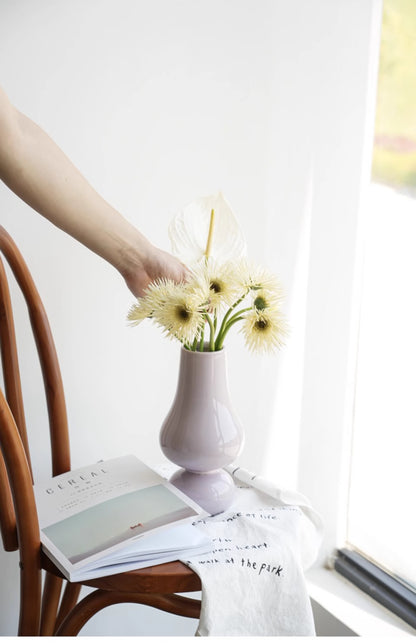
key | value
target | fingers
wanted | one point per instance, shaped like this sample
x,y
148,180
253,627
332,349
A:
x,y
157,265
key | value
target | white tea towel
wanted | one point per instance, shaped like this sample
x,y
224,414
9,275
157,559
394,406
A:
x,y
253,580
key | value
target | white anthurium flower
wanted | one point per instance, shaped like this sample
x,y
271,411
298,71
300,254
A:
x,y
208,218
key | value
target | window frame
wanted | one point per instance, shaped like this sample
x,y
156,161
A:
x,y
376,582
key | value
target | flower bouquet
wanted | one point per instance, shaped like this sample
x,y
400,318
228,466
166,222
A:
x,y
224,289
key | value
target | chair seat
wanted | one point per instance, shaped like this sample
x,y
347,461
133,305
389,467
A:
x,y
165,578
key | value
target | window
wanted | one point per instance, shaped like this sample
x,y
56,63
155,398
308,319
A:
x,y
381,504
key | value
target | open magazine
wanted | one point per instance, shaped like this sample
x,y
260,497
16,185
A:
x,y
113,516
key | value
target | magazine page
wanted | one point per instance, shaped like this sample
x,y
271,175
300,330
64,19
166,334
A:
x,y
172,543
113,569
170,540
88,513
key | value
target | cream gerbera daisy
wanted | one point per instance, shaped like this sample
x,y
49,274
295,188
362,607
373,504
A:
x,y
182,313
251,277
153,298
213,279
265,299
138,312
264,330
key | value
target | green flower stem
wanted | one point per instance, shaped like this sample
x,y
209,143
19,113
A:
x,y
201,342
212,332
220,340
195,344
230,310
238,313
224,327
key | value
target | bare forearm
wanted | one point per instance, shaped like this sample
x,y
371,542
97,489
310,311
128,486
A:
x,y
38,171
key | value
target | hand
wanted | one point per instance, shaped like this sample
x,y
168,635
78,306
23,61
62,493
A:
x,y
153,265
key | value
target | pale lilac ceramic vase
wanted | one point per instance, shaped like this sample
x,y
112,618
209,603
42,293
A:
x,y
201,432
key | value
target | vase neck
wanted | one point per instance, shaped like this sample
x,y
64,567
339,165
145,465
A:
x,y
199,370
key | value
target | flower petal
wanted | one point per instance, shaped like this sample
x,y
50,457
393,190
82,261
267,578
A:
x,y
188,231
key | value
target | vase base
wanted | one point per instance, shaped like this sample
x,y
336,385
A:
x,y
213,491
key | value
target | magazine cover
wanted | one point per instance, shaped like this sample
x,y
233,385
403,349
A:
x,y
90,513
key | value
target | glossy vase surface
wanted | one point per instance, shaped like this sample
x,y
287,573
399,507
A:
x,y
201,432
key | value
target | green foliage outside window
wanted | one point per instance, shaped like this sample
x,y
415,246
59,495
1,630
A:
x,y
394,157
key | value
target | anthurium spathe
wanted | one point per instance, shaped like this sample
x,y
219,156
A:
x,y
190,228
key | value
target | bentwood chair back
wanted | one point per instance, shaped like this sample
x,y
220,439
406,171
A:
x,y
45,607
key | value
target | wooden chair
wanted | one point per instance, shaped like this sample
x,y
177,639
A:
x,y
45,607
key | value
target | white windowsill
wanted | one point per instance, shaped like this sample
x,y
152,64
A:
x,y
354,608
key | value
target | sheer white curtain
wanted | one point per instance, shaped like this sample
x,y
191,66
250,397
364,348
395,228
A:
x,y
320,237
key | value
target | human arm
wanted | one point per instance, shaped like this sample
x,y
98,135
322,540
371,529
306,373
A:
x,y
36,169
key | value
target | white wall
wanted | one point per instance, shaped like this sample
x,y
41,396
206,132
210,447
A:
x,y
158,103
